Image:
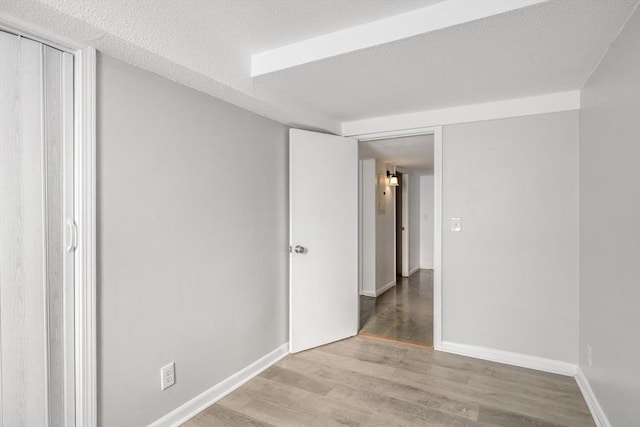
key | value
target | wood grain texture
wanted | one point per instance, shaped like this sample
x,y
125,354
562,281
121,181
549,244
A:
x,y
368,382
396,341
53,233
36,272
22,264
68,265
58,184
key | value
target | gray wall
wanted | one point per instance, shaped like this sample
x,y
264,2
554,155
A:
x,y
368,209
385,232
610,228
510,277
192,241
414,222
426,221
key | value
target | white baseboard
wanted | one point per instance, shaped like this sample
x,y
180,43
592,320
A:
x,y
220,390
426,267
413,270
386,287
509,358
380,291
597,413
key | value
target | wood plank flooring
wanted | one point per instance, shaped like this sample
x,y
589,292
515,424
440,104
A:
x,y
404,312
364,382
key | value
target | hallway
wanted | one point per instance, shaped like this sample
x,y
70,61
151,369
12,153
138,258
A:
x,y
403,313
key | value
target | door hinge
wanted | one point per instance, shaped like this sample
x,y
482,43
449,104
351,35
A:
x,y
72,233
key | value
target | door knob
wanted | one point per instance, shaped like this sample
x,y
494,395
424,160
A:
x,y
299,249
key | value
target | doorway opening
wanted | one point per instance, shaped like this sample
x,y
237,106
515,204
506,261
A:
x,y
398,238
399,219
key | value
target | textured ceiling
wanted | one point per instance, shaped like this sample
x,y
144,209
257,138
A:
x,y
542,49
208,45
413,154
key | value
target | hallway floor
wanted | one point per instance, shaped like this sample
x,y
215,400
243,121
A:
x,y
366,382
403,313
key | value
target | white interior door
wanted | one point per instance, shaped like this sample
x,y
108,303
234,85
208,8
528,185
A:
x,y
324,239
36,203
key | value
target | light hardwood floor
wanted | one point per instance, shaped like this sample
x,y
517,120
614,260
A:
x,y
362,381
404,312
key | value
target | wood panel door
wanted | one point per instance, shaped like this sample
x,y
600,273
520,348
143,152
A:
x,y
36,265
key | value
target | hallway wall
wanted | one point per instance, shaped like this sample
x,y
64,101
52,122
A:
x,y
414,222
426,222
368,182
385,233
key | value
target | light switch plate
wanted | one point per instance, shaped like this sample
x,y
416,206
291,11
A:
x,y
456,224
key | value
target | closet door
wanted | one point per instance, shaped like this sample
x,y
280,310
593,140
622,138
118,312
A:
x,y
36,262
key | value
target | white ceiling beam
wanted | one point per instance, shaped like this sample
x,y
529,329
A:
x,y
552,103
398,27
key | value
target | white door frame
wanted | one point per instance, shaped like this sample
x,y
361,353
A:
x,y
436,131
84,169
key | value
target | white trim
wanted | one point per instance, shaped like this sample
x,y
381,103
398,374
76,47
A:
x,y
209,397
397,133
290,260
597,412
360,237
385,288
84,118
381,31
437,236
552,103
85,216
509,358
380,291
426,267
413,270
20,27
436,131
395,226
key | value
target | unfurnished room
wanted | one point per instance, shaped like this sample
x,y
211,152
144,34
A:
x,y
319,213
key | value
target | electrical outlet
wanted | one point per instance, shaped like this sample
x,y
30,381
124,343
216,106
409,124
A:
x,y
589,355
456,224
168,376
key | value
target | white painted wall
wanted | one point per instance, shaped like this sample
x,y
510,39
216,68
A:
x,y
385,235
192,241
368,227
510,276
426,222
414,223
610,228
